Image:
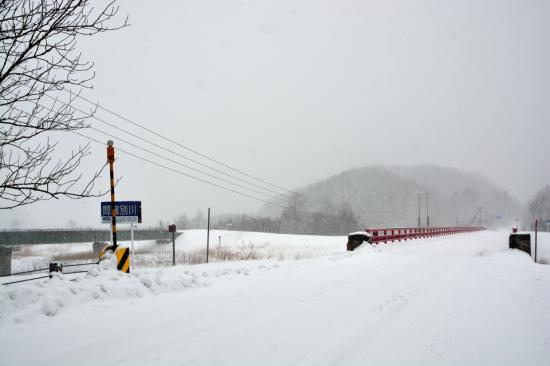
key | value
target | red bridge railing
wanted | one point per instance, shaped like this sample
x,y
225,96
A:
x,y
408,233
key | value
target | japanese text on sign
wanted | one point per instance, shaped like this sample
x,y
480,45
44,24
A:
x,y
125,211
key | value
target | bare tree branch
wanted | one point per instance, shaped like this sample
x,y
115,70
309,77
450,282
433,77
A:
x,y
38,58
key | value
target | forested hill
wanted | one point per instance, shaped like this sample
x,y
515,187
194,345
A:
x,y
388,196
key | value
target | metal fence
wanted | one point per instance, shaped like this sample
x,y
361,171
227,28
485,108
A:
x,y
53,267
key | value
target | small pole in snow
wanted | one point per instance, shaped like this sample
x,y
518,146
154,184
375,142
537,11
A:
x,y
172,229
219,240
132,262
111,232
208,235
536,231
173,248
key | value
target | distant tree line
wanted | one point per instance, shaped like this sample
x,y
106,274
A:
x,y
538,207
293,220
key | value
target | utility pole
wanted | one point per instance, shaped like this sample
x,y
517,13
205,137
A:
x,y
427,212
420,194
478,212
419,223
111,161
480,216
208,235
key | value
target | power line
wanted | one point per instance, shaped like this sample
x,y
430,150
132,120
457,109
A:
x,y
176,162
196,178
175,170
56,100
77,95
305,199
180,172
117,138
277,197
194,151
167,158
153,143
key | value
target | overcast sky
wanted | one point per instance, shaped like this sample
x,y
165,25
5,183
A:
x,y
296,91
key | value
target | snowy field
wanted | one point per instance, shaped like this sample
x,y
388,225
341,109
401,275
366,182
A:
x,y
190,248
456,300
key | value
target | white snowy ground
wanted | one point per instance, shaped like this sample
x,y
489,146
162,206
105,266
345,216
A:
x,y
455,300
287,245
189,242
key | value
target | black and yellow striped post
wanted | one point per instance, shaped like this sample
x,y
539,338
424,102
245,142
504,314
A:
x,y
123,259
111,160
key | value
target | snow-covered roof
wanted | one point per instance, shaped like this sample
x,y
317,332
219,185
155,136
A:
x,y
360,233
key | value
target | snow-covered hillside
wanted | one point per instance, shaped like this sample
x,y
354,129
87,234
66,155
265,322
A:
x,y
456,300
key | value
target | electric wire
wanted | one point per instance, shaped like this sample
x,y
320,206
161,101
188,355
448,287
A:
x,y
180,172
166,167
196,152
199,179
306,199
277,194
118,138
187,166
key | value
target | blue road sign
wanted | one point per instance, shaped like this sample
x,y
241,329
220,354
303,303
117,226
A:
x,y
498,217
547,221
126,212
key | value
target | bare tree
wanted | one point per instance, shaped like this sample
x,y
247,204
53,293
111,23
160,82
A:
x,y
198,219
39,63
182,222
538,207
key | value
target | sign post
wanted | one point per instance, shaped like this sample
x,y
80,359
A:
x,y
111,161
132,263
128,212
172,229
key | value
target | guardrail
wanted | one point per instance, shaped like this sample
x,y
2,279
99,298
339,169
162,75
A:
x,y
408,233
53,267
54,236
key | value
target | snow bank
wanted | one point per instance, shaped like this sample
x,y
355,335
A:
x,y
49,296
543,247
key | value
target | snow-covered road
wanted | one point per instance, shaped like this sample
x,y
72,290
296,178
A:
x,y
457,300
